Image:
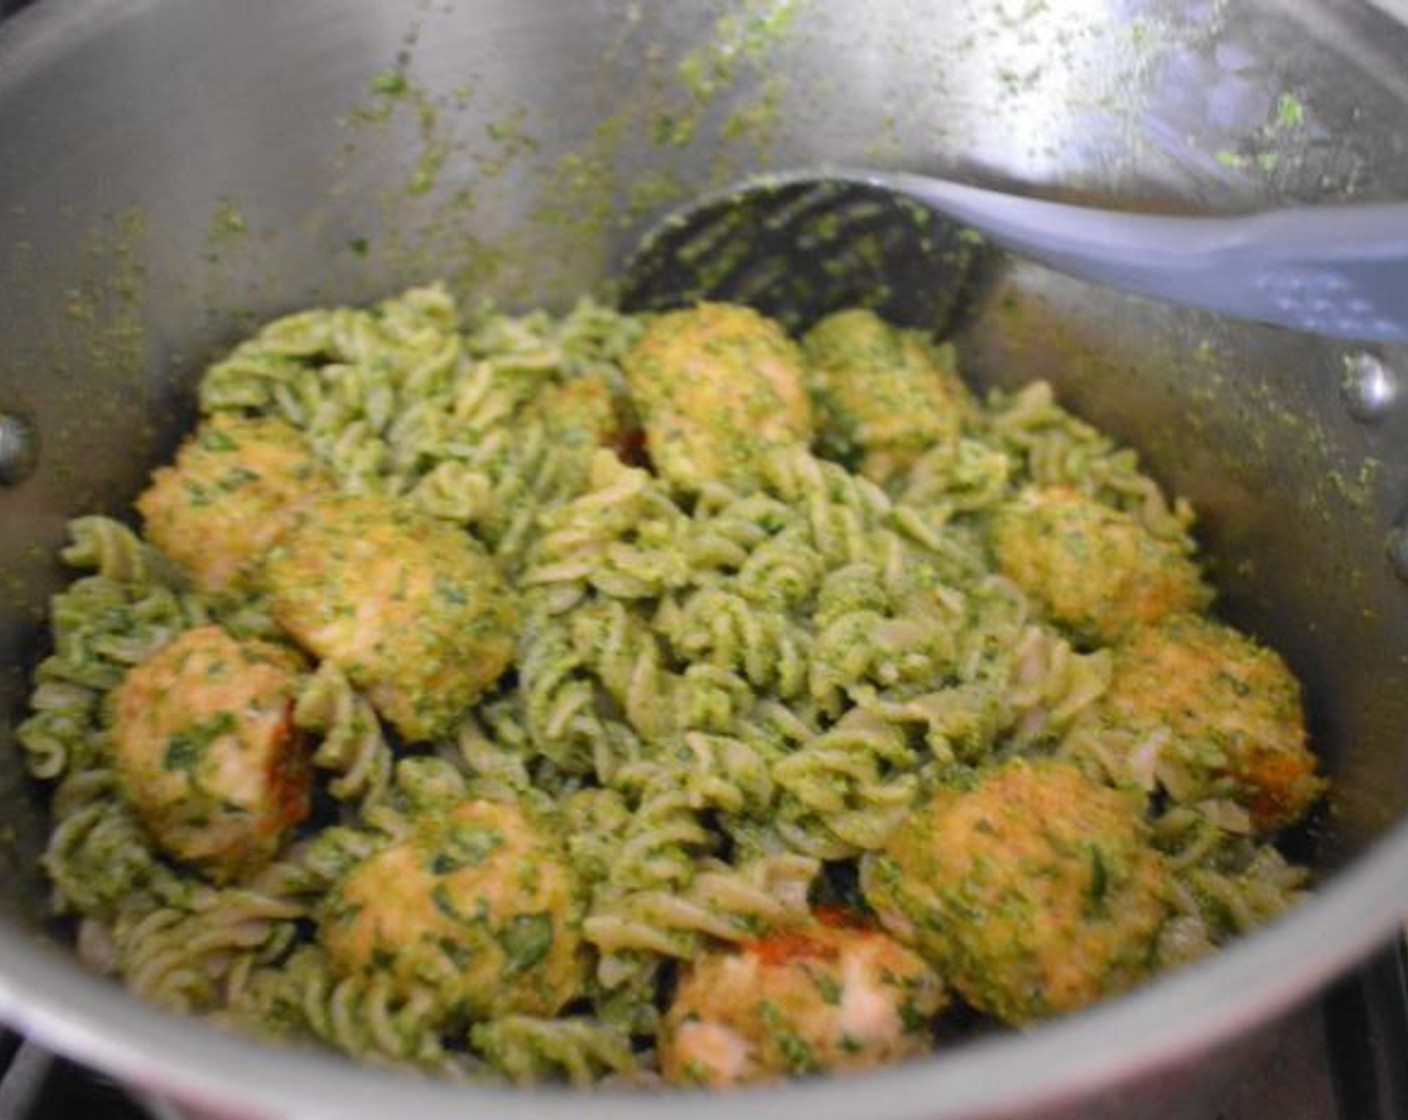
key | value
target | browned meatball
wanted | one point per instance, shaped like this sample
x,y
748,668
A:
x,y
1033,890
412,609
798,1001
883,393
480,906
1091,568
236,488
718,388
1231,708
204,741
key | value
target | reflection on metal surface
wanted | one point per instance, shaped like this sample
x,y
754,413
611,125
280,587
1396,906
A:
x,y
1398,549
1369,387
19,449
1398,9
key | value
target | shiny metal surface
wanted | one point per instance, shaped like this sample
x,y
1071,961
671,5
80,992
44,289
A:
x,y
19,450
1370,387
173,170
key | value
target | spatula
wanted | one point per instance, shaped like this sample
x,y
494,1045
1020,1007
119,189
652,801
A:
x,y
799,244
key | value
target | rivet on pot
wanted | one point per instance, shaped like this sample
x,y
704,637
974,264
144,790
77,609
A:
x,y
1369,387
19,449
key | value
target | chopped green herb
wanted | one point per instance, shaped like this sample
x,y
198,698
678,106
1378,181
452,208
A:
x,y
236,477
1290,113
459,955
185,749
389,82
913,1021
696,1071
212,439
448,591
826,985
440,895
526,940
465,846
1099,879
795,1050
382,957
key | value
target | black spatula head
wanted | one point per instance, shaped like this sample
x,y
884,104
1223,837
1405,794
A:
x,y
798,249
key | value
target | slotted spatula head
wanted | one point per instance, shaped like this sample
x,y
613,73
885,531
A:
x,y
798,249
800,245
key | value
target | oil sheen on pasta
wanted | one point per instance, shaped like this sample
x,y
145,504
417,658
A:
x,y
626,699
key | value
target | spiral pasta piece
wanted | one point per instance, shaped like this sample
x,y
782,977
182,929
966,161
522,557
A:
x,y
528,1050
353,744
1056,449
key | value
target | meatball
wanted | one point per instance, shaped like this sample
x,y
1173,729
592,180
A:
x,y
1090,568
884,394
479,905
412,609
1232,710
204,742
236,488
1033,891
718,387
798,1001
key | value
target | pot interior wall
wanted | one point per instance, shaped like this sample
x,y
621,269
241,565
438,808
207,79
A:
x,y
171,173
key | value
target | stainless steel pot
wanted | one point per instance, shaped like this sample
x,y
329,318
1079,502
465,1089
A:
x,y
173,170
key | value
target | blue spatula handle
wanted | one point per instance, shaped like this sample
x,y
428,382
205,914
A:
x,y
1338,270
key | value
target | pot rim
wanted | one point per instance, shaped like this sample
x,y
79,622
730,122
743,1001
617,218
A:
x,y
1176,1018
